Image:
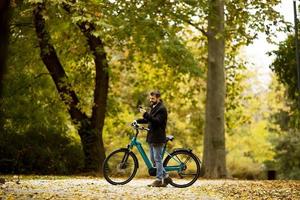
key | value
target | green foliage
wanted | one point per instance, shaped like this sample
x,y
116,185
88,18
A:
x,y
36,136
176,54
285,67
236,95
43,151
285,134
286,120
248,149
242,167
248,137
288,154
130,88
280,107
245,19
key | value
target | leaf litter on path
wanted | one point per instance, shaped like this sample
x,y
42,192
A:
x,y
50,187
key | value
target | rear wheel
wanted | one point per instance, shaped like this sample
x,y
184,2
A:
x,y
120,167
190,168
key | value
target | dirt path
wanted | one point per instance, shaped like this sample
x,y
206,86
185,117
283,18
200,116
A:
x,y
51,187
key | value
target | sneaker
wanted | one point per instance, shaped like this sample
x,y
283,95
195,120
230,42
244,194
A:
x,y
157,183
166,180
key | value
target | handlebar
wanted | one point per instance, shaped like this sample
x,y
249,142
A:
x,y
136,126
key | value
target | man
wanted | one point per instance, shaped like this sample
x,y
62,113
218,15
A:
x,y
156,137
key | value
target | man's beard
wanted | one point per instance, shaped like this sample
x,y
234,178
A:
x,y
153,103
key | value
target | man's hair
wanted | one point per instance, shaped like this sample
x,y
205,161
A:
x,y
155,93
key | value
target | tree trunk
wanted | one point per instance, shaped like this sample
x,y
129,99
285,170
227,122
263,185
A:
x,y
101,84
90,129
4,36
214,161
93,148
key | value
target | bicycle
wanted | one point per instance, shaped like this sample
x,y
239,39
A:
x,y
121,165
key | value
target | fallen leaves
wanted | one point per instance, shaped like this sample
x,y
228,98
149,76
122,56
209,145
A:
x,y
255,189
94,188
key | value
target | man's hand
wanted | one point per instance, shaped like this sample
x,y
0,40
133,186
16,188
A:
x,y
134,123
142,110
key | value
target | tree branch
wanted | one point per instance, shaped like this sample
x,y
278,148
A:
x,y
201,29
96,46
51,60
102,79
21,24
197,27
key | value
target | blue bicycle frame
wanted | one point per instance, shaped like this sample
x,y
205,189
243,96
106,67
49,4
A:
x,y
135,142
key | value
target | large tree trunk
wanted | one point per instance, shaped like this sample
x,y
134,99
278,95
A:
x,y
101,85
214,156
90,129
4,36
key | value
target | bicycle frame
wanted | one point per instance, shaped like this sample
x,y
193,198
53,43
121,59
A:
x,y
138,145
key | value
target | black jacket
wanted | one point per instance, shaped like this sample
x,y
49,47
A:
x,y
157,121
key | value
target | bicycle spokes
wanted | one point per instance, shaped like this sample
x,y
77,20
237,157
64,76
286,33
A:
x,y
187,165
120,167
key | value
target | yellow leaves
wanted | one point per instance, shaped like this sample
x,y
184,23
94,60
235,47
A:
x,y
248,150
277,96
255,189
98,14
51,187
10,197
262,148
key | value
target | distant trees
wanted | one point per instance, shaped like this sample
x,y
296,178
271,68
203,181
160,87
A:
x,y
285,66
287,138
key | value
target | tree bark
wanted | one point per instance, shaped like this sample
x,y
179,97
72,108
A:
x,y
4,36
214,155
101,84
90,129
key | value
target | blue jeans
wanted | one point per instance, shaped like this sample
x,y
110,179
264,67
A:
x,y
156,158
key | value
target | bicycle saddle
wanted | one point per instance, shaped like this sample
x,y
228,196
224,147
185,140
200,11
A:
x,y
170,138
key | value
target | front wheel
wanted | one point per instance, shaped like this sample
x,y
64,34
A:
x,y
120,167
189,168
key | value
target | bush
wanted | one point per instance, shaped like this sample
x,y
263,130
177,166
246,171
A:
x,y
39,151
243,167
248,151
288,154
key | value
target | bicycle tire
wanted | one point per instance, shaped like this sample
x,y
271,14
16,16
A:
x,y
176,176
119,166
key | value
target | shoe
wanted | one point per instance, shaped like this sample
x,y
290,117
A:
x,y
167,180
157,183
